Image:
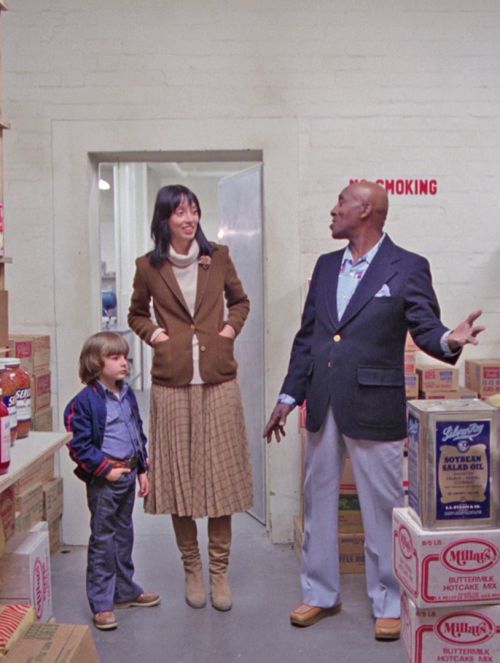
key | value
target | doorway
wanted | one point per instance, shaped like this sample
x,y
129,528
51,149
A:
x,y
230,194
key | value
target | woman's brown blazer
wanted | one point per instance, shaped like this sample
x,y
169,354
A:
x,y
173,359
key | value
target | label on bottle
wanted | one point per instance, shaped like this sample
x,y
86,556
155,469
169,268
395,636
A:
x,y
10,403
4,440
23,404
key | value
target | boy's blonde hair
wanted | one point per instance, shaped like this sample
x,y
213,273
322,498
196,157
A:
x,y
95,348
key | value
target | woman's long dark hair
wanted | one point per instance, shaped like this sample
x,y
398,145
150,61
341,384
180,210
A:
x,y
168,200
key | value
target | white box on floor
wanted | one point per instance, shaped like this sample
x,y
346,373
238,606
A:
x,y
25,572
442,635
445,568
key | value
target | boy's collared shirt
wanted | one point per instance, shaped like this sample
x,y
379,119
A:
x,y
120,434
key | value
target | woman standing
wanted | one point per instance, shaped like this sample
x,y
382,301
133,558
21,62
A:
x,y
199,457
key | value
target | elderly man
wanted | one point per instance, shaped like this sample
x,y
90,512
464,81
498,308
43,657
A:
x,y
347,362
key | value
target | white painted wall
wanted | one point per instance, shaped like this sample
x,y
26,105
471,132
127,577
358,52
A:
x,y
328,90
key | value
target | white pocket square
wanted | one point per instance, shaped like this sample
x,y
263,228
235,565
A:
x,y
384,291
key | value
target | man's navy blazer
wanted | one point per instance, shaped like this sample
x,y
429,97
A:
x,y
356,364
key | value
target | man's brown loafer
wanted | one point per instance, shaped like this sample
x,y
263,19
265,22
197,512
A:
x,y
105,621
306,615
387,629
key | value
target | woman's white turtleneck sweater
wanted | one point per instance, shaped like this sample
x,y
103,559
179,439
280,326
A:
x,y
185,268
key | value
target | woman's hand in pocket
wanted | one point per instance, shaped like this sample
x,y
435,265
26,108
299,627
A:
x,y
162,336
227,331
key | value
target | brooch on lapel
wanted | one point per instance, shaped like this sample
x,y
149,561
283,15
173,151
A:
x,y
204,262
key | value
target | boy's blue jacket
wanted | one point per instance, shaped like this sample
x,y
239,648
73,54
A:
x,y
85,417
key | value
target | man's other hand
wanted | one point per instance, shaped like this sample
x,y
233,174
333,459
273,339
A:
x,y
276,423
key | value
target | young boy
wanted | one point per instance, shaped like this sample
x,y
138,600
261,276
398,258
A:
x,y
109,447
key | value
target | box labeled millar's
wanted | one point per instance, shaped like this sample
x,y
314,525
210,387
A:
x,y
453,464
445,568
442,635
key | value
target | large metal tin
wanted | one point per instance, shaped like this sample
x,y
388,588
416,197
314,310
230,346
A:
x,y
453,464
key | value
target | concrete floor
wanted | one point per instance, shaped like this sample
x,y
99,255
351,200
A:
x,y
265,584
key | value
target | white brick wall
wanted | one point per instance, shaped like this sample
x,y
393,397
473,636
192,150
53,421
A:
x,y
386,89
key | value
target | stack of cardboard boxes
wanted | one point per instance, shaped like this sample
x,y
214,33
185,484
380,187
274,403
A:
x,y
30,518
446,544
4,295
351,534
483,376
37,496
34,353
26,540
411,378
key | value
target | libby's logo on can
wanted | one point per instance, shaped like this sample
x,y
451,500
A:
x,y
405,542
470,555
469,628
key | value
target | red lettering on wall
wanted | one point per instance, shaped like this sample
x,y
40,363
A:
x,y
406,187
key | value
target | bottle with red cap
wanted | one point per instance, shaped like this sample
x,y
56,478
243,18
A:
x,y
4,437
9,397
22,381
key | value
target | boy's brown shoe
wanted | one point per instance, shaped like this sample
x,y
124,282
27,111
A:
x,y
105,621
144,600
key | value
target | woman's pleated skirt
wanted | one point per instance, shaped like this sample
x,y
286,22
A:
x,y
198,451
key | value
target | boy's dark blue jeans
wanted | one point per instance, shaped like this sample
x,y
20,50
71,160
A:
x,y
110,569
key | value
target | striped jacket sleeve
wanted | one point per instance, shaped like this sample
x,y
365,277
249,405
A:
x,y
84,449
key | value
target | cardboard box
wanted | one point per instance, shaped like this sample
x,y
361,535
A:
x,y
410,361
352,553
29,507
4,318
445,568
351,548
14,620
350,520
483,376
439,394
52,499
410,344
347,481
42,420
465,392
38,472
437,377
2,542
40,391
25,572
47,643
302,416
436,635
33,351
8,512
54,531
55,534
411,385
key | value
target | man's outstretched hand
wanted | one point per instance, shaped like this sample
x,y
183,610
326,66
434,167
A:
x,y
276,423
465,332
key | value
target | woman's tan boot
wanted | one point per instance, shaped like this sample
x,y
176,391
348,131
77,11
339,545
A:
x,y
187,542
219,544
